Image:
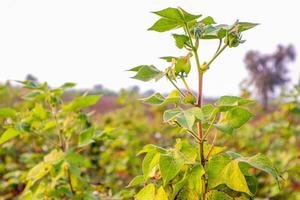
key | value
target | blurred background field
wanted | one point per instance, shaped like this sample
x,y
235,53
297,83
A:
x,y
111,163
93,44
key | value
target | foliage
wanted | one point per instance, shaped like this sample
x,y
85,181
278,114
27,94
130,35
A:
x,y
63,128
204,171
110,153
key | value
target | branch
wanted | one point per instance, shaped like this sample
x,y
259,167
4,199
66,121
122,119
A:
x,y
212,146
176,86
208,129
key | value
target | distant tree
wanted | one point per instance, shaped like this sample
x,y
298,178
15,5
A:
x,y
135,89
32,78
269,71
149,93
98,87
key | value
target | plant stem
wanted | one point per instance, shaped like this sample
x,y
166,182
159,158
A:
x,y
199,104
208,129
212,145
186,85
216,55
190,132
219,46
199,124
176,87
194,135
70,181
58,129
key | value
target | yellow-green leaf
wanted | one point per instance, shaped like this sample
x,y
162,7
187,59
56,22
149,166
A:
x,y
150,163
147,73
146,193
170,165
82,102
161,194
163,25
86,137
223,170
195,180
8,135
138,180
7,112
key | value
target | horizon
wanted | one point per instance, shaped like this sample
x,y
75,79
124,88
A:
x,y
66,41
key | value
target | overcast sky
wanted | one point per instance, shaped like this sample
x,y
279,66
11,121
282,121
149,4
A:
x,y
94,41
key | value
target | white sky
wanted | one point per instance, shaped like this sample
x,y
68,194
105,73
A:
x,y
95,41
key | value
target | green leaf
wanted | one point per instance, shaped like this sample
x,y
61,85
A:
x,y
159,100
188,17
54,157
7,112
68,85
215,32
238,117
223,170
39,112
224,127
187,194
232,169
205,113
186,119
150,147
82,102
181,40
171,114
170,165
155,99
218,195
161,194
234,178
147,73
214,169
233,119
216,150
176,14
243,26
30,84
76,159
173,97
170,13
226,102
168,58
172,18
86,137
178,186
8,135
163,25
150,162
138,180
187,151
76,180
252,183
147,193
44,167
262,163
38,172
50,125
195,181
208,20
